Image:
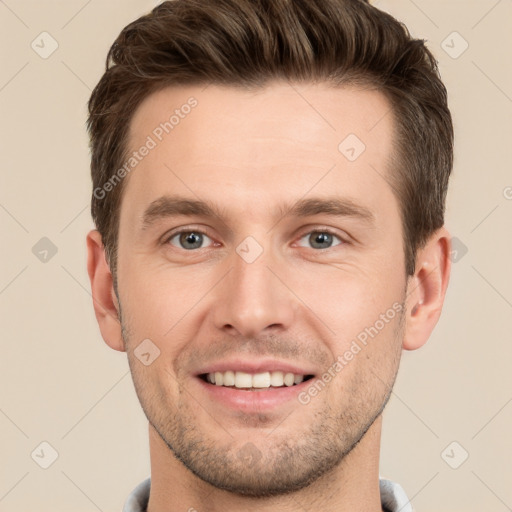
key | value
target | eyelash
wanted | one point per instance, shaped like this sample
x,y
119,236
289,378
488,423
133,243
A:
x,y
329,231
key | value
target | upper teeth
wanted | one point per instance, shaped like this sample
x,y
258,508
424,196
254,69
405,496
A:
x,y
256,380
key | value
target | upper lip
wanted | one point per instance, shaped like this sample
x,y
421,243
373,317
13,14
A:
x,y
255,366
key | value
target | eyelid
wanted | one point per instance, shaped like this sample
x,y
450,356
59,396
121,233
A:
x,y
344,238
342,235
186,229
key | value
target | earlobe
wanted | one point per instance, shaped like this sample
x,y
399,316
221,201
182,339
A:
x,y
106,307
426,289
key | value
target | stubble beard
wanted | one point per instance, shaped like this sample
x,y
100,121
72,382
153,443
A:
x,y
276,464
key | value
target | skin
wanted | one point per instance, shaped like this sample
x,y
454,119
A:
x,y
249,153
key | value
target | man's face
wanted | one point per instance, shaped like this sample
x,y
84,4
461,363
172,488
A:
x,y
274,282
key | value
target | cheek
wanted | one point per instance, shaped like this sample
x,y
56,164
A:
x,y
366,360
160,302
352,299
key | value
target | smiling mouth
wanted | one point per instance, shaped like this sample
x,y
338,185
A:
x,y
254,381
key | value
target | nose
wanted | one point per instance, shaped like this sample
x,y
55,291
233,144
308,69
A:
x,y
254,297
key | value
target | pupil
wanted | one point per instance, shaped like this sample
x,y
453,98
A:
x,y
191,238
322,238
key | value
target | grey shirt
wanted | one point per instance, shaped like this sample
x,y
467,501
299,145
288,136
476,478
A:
x,y
392,496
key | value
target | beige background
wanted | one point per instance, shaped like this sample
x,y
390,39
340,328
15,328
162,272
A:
x,y
61,384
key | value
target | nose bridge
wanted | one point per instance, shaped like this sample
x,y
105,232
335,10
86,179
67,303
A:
x,y
252,298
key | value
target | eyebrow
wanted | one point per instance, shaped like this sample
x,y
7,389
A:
x,y
172,206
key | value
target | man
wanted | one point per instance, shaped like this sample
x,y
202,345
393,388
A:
x,y
269,187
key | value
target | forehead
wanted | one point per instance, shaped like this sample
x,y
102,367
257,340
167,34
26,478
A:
x,y
259,145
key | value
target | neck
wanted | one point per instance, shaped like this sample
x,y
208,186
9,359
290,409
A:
x,y
352,486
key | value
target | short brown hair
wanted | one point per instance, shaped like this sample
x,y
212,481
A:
x,y
248,43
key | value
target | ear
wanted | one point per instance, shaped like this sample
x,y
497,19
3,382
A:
x,y
106,307
426,289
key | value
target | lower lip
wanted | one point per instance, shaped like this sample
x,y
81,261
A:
x,y
253,401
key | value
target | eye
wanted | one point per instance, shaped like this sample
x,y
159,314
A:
x,y
320,239
188,240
